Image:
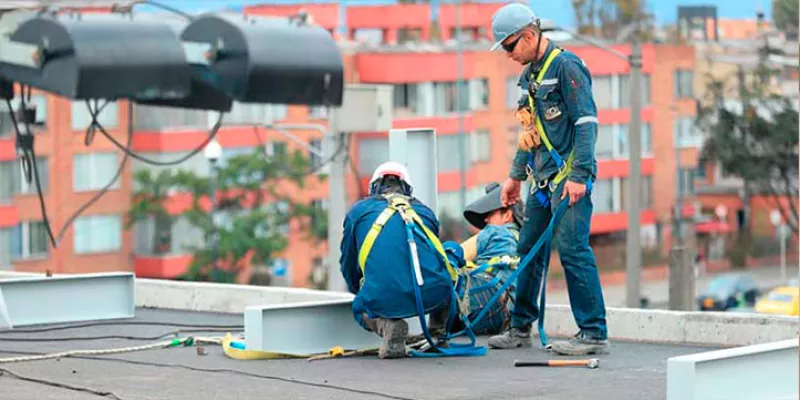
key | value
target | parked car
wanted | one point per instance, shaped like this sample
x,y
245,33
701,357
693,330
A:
x,y
728,291
783,300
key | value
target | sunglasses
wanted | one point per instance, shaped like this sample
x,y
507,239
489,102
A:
x,y
509,47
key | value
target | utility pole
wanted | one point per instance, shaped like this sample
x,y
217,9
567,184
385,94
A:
x,y
633,267
462,136
337,206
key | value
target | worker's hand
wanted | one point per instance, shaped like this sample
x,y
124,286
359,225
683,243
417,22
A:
x,y
529,138
574,190
510,193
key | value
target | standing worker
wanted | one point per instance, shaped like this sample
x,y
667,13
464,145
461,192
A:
x,y
556,151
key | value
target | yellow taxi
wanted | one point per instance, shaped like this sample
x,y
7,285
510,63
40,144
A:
x,y
784,300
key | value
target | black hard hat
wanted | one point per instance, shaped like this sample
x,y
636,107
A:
x,y
477,210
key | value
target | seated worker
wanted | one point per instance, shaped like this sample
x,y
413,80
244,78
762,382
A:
x,y
377,263
494,249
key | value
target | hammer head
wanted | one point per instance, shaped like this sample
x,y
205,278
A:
x,y
593,363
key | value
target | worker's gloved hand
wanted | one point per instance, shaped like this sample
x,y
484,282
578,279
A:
x,y
529,137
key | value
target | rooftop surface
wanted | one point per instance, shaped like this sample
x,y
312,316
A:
x,y
631,371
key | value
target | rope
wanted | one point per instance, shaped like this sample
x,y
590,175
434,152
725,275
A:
x,y
165,344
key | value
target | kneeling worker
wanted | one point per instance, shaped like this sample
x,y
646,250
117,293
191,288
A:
x,y
377,260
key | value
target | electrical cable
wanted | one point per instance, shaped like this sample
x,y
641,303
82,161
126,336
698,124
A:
x,y
226,370
115,323
90,132
211,135
25,149
81,338
95,392
163,7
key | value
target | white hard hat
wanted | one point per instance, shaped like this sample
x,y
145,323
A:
x,y
391,168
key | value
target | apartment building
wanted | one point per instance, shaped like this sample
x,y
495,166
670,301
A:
x,y
402,50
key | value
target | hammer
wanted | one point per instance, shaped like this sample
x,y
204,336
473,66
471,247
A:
x,y
591,363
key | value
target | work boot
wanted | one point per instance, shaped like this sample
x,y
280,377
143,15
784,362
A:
x,y
511,339
393,332
580,345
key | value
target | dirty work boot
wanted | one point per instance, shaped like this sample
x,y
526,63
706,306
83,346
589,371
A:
x,y
580,345
511,339
393,332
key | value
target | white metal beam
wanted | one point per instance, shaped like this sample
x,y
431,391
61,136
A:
x,y
771,371
67,298
309,328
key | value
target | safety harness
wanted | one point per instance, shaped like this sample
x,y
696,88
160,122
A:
x,y
398,203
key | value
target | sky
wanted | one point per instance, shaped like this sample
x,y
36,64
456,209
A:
x,y
558,11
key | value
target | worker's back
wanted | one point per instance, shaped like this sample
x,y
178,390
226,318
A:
x,y
388,287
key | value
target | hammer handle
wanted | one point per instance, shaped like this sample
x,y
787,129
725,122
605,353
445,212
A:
x,y
551,363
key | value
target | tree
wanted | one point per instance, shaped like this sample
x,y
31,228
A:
x,y
754,138
612,19
784,14
148,202
252,210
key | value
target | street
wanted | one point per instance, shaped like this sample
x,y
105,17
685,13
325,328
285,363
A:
x,y
657,292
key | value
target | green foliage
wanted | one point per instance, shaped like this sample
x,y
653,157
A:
x,y
610,19
754,138
252,209
784,14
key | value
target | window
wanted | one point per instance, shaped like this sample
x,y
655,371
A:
x,y
602,92
317,112
8,178
512,132
29,240
603,196
625,89
444,97
686,134
684,181
448,153
93,171
316,160
513,92
276,149
481,145
406,100
371,153
606,140
281,214
449,204
108,117
646,200
40,120
646,143
159,238
700,171
158,118
684,84
259,114
479,94
12,179
5,248
98,234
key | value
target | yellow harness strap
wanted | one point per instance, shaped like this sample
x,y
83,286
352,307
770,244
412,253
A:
x,y
563,172
399,203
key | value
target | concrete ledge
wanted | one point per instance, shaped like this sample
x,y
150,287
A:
x,y
687,327
768,371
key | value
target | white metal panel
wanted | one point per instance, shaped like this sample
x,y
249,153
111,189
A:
x,y
762,371
68,298
365,108
416,149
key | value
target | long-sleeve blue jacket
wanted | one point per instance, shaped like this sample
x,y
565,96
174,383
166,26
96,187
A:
x,y
566,90
387,290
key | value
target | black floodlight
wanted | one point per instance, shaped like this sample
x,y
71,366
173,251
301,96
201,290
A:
x,y
97,58
270,60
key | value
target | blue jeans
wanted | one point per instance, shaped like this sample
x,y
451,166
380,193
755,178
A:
x,y
577,258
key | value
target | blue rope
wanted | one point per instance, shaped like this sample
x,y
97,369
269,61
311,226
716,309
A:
x,y
456,350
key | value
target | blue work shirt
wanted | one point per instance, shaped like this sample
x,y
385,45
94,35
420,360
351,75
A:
x,y
388,290
566,90
497,241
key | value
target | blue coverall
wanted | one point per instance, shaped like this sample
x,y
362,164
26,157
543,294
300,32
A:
x,y
388,290
566,92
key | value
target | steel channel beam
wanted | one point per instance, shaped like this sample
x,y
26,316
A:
x,y
67,298
309,328
771,370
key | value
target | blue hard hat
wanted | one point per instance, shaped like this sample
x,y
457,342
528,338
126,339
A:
x,y
510,19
